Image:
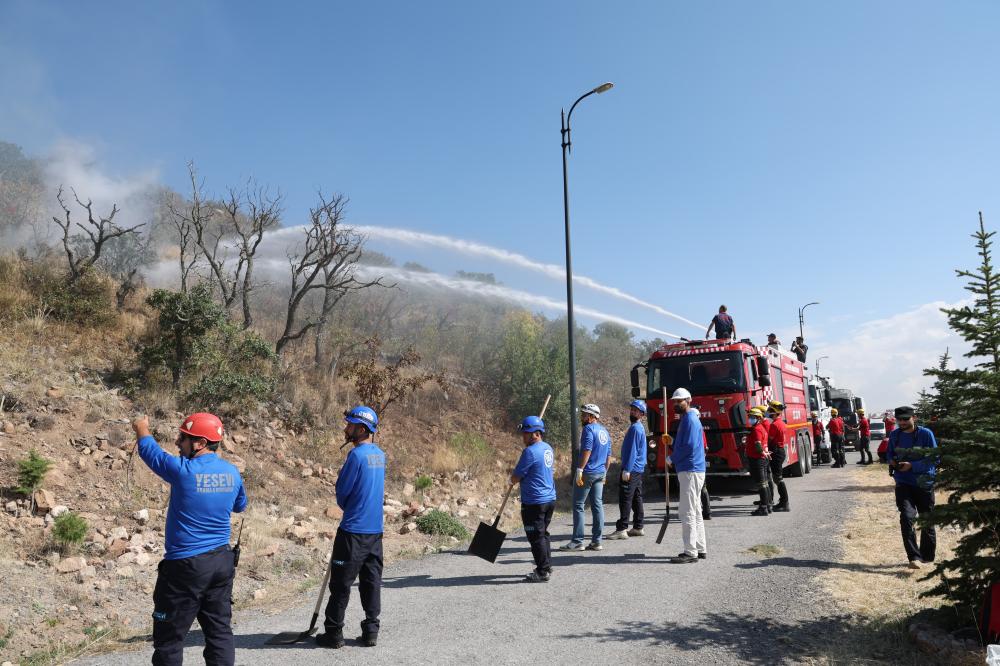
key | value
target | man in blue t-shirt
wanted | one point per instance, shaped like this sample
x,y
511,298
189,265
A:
x,y
725,327
688,458
914,472
595,450
357,548
195,578
633,465
538,495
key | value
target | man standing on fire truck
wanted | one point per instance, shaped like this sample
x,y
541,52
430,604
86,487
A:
x,y
757,454
725,328
777,438
836,428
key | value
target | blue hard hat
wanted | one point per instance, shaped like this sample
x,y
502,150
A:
x,y
532,424
638,404
364,416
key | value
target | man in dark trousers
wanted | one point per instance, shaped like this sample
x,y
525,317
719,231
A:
x,y
836,430
538,495
914,472
633,465
195,578
757,455
777,440
817,435
864,438
357,548
725,328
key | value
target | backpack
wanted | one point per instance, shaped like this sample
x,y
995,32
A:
x,y
989,619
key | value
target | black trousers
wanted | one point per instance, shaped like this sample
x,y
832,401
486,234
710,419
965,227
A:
x,y
758,473
837,444
777,464
912,501
817,447
864,447
630,501
706,507
536,519
202,587
354,556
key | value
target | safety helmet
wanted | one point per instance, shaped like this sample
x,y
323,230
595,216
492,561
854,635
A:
x,y
363,416
813,413
756,411
776,405
638,404
861,410
204,425
833,410
591,409
532,424
681,394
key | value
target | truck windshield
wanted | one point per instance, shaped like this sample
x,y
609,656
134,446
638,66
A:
x,y
701,374
844,406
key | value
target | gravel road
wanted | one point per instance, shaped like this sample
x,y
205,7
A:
x,y
626,604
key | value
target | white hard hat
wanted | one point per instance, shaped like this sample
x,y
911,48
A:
x,y
681,394
591,409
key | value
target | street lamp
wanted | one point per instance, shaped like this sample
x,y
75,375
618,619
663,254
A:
x,y
802,319
566,149
817,364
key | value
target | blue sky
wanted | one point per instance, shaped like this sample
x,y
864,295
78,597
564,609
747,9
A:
x,y
759,154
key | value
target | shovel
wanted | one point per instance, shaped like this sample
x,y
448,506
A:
x,y
293,637
666,472
488,539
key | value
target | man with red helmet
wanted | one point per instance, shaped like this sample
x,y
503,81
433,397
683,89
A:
x,y
196,575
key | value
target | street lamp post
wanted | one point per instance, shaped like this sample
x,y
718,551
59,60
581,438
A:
x,y
802,318
566,149
817,364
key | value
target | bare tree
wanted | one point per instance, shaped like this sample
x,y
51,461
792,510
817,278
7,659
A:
x,y
326,263
183,215
82,252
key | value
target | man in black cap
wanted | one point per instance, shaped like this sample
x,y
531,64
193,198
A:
x,y
800,349
914,470
773,341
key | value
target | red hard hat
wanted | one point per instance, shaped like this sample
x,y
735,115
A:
x,y
204,425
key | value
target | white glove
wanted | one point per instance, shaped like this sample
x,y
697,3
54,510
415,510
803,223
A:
x,y
626,476
579,476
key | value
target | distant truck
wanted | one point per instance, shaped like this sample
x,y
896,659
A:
x,y
725,380
847,405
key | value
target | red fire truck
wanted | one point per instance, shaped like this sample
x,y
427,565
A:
x,y
725,380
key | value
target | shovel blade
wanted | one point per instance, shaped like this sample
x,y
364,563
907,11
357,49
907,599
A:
x,y
290,637
487,542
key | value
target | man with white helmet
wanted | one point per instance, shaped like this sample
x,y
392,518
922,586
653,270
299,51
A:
x,y
633,465
595,450
688,458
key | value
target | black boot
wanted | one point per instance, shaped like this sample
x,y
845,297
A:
x,y
331,639
368,640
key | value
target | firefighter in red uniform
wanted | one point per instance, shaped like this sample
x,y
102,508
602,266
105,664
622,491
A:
x,y
777,438
865,437
817,433
757,453
836,428
883,447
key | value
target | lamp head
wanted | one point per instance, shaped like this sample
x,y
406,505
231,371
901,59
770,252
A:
x,y
604,87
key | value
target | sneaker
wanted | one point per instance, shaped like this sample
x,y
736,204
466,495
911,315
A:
x,y
572,545
683,558
595,545
636,531
702,556
535,577
781,507
916,564
617,535
330,640
367,640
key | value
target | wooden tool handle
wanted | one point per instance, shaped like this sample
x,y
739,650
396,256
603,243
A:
x,y
503,505
545,406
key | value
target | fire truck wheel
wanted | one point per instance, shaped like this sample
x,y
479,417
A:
x,y
799,468
807,447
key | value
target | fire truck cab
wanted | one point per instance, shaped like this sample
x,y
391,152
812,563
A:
x,y
725,379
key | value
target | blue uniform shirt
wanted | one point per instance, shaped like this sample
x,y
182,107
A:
x,y
921,438
634,449
535,470
204,491
689,444
361,489
595,439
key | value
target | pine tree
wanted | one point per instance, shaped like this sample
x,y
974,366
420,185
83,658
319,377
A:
x,y
969,423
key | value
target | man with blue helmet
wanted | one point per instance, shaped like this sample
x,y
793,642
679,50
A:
x,y
357,548
595,451
538,494
633,465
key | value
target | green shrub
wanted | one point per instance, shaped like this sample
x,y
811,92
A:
x,y
69,529
90,301
31,471
423,482
470,446
441,523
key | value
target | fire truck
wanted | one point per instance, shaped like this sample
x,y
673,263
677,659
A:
x,y
725,379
